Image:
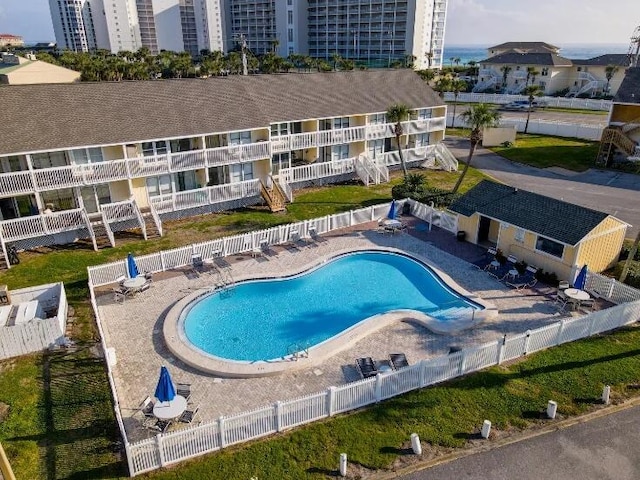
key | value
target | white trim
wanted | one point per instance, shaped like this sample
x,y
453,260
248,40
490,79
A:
x,y
606,232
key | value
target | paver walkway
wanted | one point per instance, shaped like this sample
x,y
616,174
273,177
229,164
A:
x,y
134,329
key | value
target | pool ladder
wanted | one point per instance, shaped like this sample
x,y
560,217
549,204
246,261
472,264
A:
x,y
297,351
225,280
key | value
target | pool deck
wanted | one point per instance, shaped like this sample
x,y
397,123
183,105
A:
x,y
134,329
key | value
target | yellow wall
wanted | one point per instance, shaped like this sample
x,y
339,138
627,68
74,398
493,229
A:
x,y
259,135
601,252
310,126
114,152
494,231
132,151
469,225
261,169
201,177
310,154
439,111
625,113
139,186
119,190
358,120
497,136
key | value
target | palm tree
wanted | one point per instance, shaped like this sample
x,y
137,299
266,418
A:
x,y
609,72
532,91
443,84
429,56
477,118
456,86
275,43
427,75
456,61
398,113
505,73
451,59
335,58
532,73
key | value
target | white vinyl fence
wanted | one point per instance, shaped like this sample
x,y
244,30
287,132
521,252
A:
x,y
546,127
170,448
557,102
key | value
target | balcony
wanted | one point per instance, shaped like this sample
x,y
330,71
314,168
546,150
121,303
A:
x,y
205,196
40,225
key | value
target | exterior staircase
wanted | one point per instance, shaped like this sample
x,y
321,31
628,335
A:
x,y
102,237
274,196
614,139
152,228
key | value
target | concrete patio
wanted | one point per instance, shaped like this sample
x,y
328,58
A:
x,y
134,328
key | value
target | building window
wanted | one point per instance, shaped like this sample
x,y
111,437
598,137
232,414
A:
x,y
340,152
279,129
377,119
421,140
290,17
519,235
150,149
280,161
375,148
545,72
549,246
290,34
341,122
159,185
424,113
241,172
239,138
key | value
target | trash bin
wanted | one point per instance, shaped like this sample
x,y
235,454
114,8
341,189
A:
x,y
461,235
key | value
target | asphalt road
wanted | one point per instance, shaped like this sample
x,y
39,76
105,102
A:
x,y
569,117
612,192
600,449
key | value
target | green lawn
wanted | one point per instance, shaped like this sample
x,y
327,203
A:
x,y
512,397
544,151
56,411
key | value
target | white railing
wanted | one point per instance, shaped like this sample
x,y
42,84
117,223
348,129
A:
x,y
446,159
237,153
108,230
366,174
610,289
118,211
340,135
156,218
39,225
317,170
15,183
148,166
286,188
557,102
167,449
205,196
191,160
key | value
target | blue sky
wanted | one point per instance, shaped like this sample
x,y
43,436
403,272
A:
x,y
469,21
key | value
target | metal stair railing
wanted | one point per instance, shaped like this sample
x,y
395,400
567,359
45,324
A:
x,y
107,228
156,218
447,160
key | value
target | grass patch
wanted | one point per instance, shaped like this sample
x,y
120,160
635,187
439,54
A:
x,y
513,397
544,151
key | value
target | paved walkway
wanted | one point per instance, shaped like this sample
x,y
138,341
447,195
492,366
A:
x,y
600,449
134,329
616,193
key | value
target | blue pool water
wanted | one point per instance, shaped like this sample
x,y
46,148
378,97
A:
x,y
267,319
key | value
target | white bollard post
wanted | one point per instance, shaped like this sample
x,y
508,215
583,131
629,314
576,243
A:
x,y
551,409
415,444
486,429
343,464
606,391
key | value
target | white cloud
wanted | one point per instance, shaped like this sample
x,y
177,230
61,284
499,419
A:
x,y
554,21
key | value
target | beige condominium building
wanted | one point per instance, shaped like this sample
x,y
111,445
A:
x,y
512,66
123,155
15,70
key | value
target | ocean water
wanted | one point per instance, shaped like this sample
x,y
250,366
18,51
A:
x,y
575,51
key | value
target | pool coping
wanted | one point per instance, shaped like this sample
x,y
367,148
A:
x,y
218,366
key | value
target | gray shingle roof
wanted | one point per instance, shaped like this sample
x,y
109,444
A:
x,y
47,117
529,46
529,59
619,59
629,91
551,218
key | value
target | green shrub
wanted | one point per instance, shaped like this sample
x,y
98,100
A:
x,y
633,275
550,278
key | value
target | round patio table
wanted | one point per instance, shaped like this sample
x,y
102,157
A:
x,y
577,294
170,410
135,282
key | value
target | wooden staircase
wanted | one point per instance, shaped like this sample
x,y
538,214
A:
x,y
274,196
614,139
149,222
102,237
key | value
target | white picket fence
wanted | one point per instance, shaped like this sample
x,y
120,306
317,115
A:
x,y
440,218
237,244
170,448
546,127
556,102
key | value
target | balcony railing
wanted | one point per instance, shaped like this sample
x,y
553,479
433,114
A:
x,y
205,196
39,225
16,183
237,153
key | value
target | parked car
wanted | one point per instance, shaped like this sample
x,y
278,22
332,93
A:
x,y
522,105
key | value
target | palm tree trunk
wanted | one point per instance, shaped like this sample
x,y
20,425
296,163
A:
x,y
526,125
404,165
453,120
472,149
627,264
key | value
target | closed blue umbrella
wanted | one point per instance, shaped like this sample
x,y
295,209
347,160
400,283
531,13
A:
x,y
132,268
392,211
165,391
581,279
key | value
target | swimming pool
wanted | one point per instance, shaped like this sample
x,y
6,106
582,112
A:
x,y
271,318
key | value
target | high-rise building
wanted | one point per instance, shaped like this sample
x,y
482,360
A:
x,y
178,25
374,32
378,33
